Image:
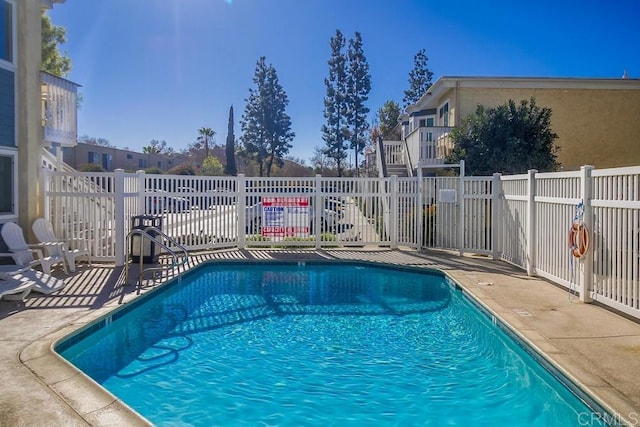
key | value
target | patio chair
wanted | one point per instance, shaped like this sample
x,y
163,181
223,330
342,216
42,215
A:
x,y
23,254
14,290
16,278
54,246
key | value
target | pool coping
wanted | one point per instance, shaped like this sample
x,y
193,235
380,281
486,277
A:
x,y
74,387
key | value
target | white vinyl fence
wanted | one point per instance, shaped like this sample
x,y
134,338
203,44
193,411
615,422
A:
x,y
522,219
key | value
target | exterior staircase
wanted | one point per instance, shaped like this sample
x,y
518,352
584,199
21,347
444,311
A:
x,y
398,170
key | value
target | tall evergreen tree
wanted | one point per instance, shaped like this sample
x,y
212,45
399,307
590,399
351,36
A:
x,y
230,149
388,116
335,131
265,124
252,122
419,79
280,133
359,86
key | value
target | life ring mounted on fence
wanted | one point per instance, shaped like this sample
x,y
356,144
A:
x,y
578,239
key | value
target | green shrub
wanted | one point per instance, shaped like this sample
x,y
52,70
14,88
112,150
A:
x,y
182,169
91,167
154,171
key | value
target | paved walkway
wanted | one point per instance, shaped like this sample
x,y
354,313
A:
x,y
598,349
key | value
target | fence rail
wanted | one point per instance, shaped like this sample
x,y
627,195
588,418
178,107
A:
x,y
521,219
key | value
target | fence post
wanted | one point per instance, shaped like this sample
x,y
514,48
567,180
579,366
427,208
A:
x,y
141,193
420,210
531,222
461,212
496,216
586,272
241,202
119,230
317,207
393,212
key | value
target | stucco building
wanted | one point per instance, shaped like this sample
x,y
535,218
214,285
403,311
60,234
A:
x,y
596,120
111,158
37,110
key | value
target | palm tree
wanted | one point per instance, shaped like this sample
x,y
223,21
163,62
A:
x,y
206,135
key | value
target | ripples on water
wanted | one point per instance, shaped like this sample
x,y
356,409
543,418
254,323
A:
x,y
319,345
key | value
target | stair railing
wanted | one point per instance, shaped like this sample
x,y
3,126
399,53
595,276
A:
x,y
152,233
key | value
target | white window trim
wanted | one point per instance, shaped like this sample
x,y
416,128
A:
x,y
13,153
11,66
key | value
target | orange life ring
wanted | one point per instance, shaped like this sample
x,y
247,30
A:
x,y
578,239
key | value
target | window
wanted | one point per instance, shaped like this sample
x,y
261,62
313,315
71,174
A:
x,y
92,157
7,108
8,183
7,73
129,156
423,123
106,161
444,114
7,19
142,163
430,122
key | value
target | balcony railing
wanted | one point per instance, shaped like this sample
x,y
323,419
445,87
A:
x,y
429,145
59,110
394,153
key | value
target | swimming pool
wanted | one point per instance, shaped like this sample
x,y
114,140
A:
x,y
317,344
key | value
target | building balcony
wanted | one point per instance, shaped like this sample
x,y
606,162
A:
x,y
59,111
427,146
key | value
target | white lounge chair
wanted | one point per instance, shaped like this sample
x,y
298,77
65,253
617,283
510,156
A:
x,y
14,290
58,247
21,277
22,253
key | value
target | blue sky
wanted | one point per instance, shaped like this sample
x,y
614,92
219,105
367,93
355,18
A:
x,y
162,69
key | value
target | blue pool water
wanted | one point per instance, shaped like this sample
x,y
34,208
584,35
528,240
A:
x,y
317,344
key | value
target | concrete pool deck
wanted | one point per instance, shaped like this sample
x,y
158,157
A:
x,y
598,349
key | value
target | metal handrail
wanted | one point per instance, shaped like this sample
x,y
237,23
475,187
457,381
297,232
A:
x,y
145,233
382,157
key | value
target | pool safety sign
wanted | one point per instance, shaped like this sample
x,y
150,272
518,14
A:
x,y
285,217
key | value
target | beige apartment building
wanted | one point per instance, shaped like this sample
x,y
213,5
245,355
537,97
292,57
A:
x,y
111,158
597,120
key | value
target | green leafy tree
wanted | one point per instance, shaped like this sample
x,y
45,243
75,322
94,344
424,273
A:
x,y
53,36
206,137
322,163
374,132
230,148
335,132
102,142
508,139
388,116
419,79
358,88
265,124
157,147
211,166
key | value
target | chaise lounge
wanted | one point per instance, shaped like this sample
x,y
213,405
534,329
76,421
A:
x,y
15,279
14,290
